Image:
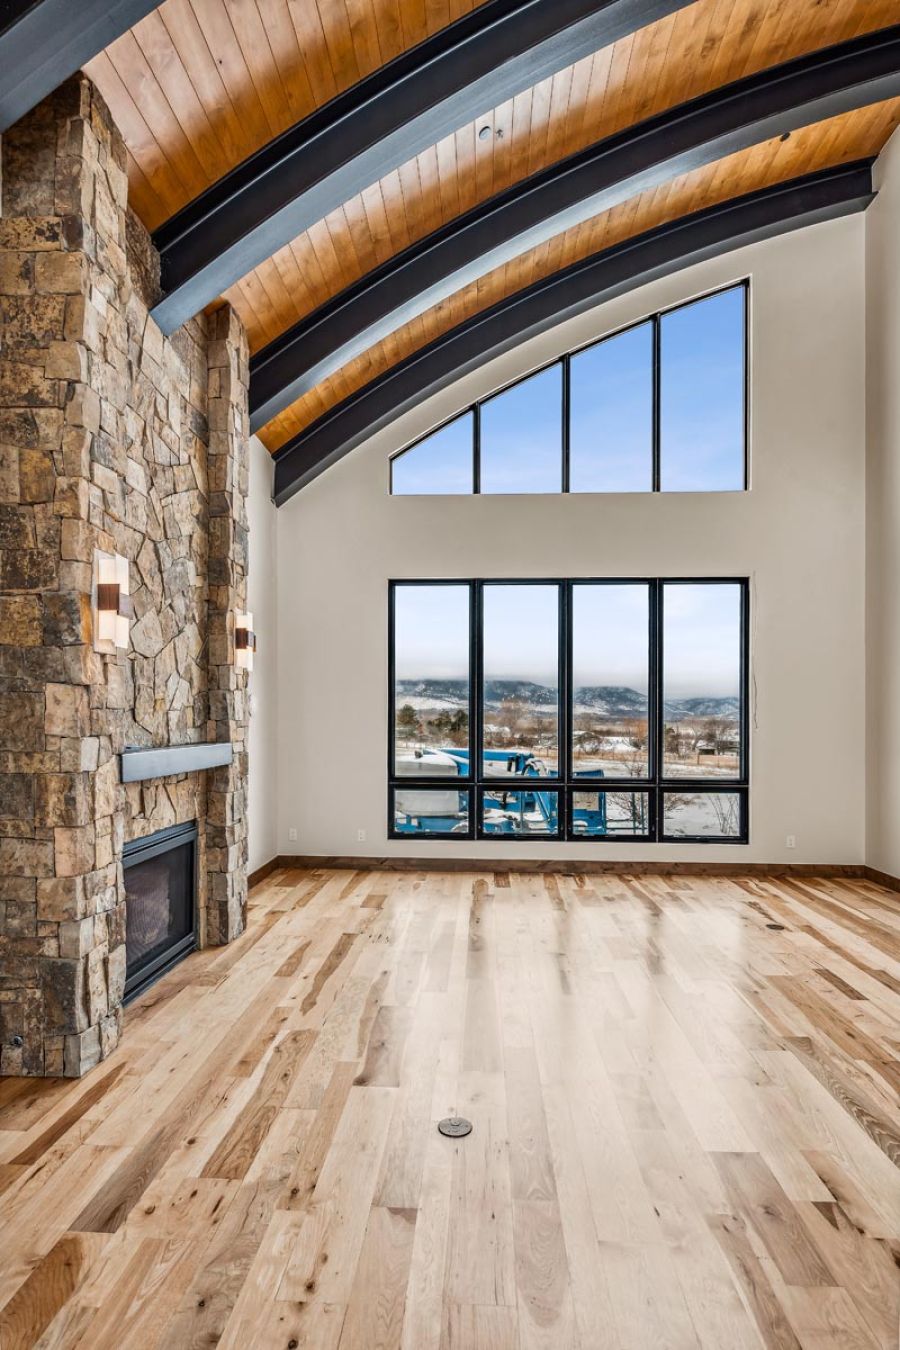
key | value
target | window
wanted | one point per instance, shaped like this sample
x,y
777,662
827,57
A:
x,y
702,395
442,463
431,680
611,398
520,701
659,407
590,709
521,436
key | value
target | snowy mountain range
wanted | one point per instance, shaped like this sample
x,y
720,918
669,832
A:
x,y
603,700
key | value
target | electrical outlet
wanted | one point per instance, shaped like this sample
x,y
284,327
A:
x,y
791,841
292,835
360,836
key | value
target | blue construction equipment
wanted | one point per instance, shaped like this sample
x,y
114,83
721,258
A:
x,y
516,810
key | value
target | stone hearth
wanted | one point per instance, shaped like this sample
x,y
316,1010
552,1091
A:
x,y
115,438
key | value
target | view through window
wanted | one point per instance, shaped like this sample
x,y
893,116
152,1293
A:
x,y
588,709
660,406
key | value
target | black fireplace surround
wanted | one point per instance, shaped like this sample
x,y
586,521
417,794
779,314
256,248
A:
x,y
160,904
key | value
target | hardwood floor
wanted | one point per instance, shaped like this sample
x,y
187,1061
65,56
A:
x,y
686,1133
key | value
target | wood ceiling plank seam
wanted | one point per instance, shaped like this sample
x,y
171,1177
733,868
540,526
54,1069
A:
x,y
617,82
308,265
190,43
218,32
466,147
521,119
595,99
272,287
481,178
429,176
179,91
450,176
328,237
635,80
307,23
658,59
394,205
503,145
362,22
560,100
259,59
410,181
727,24
286,53
356,244
241,297
415,28
379,236
293,278
138,77
390,30
581,79
340,49
264,310
540,108
753,29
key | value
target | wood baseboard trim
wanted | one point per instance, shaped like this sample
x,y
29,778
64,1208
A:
x,y
560,865
262,872
882,878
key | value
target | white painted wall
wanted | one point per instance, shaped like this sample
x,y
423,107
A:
x,y
799,534
883,514
262,591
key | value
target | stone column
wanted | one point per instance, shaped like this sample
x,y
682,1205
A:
x,y
62,257
112,437
228,470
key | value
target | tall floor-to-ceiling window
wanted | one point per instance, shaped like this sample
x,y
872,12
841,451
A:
x,y
581,709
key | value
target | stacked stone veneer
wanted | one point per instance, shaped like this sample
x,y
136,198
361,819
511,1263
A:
x,y
112,438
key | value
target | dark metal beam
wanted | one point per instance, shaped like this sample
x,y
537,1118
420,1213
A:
x,y
43,42
769,103
469,67
704,234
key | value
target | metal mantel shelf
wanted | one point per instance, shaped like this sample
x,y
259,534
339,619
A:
x,y
163,761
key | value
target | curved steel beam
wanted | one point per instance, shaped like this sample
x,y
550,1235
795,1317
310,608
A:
x,y
691,239
771,102
43,42
469,67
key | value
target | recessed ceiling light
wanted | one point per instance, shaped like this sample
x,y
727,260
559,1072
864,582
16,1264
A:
x,y
484,133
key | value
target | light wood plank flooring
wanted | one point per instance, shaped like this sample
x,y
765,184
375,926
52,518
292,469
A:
x,y
684,1093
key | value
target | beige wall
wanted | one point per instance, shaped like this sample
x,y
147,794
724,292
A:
x,y
883,515
798,534
263,683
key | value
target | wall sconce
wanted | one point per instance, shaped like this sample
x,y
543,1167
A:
x,y
244,641
113,606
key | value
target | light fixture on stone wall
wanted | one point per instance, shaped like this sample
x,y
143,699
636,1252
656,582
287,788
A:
x,y
113,606
244,641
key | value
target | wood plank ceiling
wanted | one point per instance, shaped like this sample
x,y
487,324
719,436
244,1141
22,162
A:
x,y
200,84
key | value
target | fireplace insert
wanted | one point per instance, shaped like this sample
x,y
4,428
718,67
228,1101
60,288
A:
x,y
160,904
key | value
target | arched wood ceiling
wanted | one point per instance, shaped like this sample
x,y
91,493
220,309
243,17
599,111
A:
x,y
199,85
841,140
706,45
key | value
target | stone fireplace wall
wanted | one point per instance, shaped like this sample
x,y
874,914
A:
x,y
112,437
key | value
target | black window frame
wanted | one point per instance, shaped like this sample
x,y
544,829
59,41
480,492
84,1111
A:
x,y
565,783
565,361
